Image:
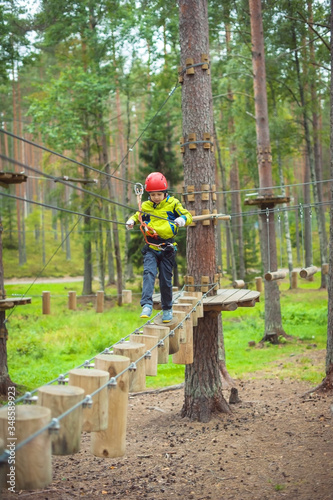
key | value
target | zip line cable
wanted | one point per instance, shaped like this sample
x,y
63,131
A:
x,y
230,191
64,182
44,148
54,423
92,168
7,195
43,269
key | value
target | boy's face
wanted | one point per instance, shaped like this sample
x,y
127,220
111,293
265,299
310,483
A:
x,y
156,196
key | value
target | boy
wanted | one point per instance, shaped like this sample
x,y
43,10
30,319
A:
x,y
159,251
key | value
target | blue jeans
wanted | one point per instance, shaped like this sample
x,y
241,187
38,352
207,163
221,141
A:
x,y
153,261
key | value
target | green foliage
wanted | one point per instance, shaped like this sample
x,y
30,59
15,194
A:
x,y
40,347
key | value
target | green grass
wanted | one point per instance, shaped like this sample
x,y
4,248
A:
x,y
40,347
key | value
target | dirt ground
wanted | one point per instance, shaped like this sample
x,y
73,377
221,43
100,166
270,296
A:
x,y
277,443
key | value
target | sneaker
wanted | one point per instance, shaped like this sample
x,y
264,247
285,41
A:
x,y
167,316
146,311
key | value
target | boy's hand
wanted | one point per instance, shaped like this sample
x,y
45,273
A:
x,y
130,224
180,222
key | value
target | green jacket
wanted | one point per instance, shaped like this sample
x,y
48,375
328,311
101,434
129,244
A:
x,y
170,208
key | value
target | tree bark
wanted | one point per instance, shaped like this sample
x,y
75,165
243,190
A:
x,y
328,380
5,381
273,319
230,255
309,148
203,384
87,253
315,101
114,217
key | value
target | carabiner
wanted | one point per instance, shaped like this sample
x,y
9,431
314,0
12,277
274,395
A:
x,y
138,189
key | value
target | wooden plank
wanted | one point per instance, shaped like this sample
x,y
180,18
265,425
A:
x,y
232,306
225,299
14,301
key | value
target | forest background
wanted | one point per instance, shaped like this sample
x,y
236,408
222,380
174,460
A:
x,y
98,84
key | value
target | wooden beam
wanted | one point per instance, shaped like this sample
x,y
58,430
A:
x,y
232,306
275,275
211,216
306,272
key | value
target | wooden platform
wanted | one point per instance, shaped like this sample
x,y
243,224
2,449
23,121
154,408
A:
x,y
7,178
224,300
267,200
14,301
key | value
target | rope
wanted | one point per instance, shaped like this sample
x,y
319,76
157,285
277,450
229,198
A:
x,y
63,181
63,156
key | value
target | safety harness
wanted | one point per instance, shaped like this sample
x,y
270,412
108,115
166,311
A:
x,y
146,230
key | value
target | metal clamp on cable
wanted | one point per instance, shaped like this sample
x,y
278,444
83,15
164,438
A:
x,y
87,402
54,426
87,364
28,399
112,382
62,380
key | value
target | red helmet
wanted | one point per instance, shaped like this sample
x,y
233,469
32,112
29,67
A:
x,y
156,182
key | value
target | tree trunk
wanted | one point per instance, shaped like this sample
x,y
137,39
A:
x,y
328,380
316,105
284,205
229,247
109,251
87,252
5,381
307,217
126,196
113,216
203,385
273,320
309,148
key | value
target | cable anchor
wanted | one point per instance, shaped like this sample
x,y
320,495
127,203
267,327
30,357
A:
x,y
54,426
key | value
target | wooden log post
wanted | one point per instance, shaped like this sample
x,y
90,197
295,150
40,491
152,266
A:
x,y
190,300
238,284
59,399
95,417
294,275
324,268
198,295
185,354
258,281
100,301
3,472
46,302
149,342
33,466
275,275
180,333
111,443
159,330
127,296
205,284
133,351
307,272
72,301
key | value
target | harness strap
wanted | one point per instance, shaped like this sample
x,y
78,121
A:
x,y
145,229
